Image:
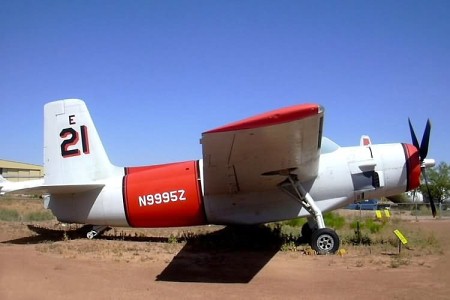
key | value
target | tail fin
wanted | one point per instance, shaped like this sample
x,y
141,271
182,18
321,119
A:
x,y
73,151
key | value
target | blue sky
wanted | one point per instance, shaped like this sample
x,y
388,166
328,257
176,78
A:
x,y
156,74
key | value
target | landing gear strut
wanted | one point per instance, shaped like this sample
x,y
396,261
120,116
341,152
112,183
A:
x,y
96,230
323,240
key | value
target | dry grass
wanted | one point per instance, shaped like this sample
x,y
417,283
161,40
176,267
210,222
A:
x,y
149,245
23,209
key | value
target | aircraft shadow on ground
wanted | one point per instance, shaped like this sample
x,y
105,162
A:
x,y
45,235
229,255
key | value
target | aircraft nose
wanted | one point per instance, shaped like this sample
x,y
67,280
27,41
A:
x,y
413,165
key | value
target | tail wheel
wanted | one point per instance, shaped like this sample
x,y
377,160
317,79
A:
x,y
91,234
325,241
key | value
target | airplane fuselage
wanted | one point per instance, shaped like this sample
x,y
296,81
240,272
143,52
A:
x,y
173,194
269,167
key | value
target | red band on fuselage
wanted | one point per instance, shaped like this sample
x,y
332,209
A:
x,y
412,166
163,195
279,116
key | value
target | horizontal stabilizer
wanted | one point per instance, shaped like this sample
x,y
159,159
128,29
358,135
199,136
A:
x,y
7,186
59,189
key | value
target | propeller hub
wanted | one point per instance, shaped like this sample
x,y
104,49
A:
x,y
428,163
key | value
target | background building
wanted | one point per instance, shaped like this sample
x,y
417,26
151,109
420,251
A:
x,y
17,171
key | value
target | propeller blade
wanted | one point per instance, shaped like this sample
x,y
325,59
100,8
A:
x,y
413,135
414,196
433,207
423,152
425,141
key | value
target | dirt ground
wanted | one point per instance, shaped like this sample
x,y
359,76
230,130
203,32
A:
x,y
130,265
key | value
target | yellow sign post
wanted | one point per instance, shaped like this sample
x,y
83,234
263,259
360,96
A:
x,y
401,239
378,214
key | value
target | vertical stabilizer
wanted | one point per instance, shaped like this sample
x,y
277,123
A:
x,y
73,151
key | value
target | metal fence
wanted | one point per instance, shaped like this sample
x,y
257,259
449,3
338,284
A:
x,y
403,211
419,210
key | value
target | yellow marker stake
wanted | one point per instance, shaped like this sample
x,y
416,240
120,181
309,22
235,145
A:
x,y
378,214
400,236
387,213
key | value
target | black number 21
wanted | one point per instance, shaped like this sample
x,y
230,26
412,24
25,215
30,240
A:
x,y
71,138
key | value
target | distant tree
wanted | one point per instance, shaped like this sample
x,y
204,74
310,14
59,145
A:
x,y
438,182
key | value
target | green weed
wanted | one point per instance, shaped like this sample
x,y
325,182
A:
x,y
297,222
334,220
9,215
399,260
374,226
172,239
12,215
39,216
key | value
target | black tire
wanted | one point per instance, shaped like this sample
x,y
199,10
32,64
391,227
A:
x,y
306,233
325,241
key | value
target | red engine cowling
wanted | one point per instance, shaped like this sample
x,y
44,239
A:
x,y
163,195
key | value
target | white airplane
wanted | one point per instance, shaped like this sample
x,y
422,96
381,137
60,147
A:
x,y
271,167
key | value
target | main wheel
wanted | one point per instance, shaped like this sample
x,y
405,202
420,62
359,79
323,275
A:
x,y
325,241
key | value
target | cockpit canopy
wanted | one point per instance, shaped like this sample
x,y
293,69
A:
x,y
328,146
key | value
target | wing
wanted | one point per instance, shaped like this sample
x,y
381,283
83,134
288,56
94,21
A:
x,y
249,155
